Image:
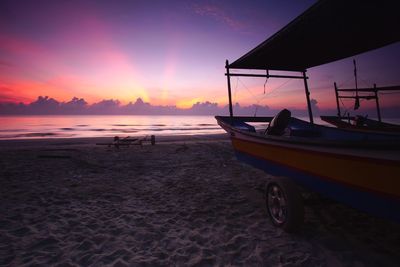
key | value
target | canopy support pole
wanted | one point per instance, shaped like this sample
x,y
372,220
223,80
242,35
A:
x,y
337,100
378,109
228,77
308,98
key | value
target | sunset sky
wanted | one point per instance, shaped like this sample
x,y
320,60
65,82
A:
x,y
165,52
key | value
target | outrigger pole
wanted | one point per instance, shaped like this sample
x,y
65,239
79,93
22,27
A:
x,y
228,77
267,75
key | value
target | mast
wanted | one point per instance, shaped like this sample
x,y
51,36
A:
x,y
228,77
357,103
308,98
378,109
337,100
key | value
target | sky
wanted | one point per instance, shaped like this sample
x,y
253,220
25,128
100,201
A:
x,y
168,53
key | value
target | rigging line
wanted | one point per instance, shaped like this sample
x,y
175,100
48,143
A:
x,y
345,82
283,84
268,95
246,88
235,89
266,80
344,106
255,112
365,80
276,88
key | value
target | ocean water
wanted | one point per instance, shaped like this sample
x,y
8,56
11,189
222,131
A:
x,y
50,126
53,126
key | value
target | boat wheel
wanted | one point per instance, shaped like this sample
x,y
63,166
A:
x,y
277,204
285,204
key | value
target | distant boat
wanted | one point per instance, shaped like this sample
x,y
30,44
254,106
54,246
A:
x,y
358,122
360,168
361,123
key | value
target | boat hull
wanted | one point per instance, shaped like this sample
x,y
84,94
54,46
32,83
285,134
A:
x,y
363,180
358,182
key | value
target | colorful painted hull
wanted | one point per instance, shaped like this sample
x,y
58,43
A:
x,y
368,179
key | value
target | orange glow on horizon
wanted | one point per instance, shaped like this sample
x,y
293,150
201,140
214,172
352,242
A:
x,y
187,103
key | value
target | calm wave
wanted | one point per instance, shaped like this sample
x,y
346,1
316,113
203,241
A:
x,y
29,127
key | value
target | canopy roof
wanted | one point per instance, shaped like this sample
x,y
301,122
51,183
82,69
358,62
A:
x,y
328,31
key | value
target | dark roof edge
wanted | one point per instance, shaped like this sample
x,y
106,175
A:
x,y
275,35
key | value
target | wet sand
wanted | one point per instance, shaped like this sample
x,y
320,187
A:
x,y
186,201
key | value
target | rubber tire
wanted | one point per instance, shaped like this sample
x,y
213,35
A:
x,y
294,204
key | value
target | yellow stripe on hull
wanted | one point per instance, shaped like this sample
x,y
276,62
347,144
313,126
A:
x,y
379,176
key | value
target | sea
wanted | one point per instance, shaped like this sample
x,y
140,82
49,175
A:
x,y
76,126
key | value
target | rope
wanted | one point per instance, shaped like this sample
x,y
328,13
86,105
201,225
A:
x,y
276,88
270,93
346,110
345,82
248,90
266,80
255,97
255,112
365,81
235,89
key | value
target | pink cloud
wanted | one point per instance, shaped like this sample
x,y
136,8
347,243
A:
x,y
8,94
14,45
85,61
218,14
4,63
27,55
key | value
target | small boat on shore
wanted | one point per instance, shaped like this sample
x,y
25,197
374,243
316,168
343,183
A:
x,y
358,122
360,168
361,123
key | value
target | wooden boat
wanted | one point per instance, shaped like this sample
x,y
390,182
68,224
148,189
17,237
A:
x,y
358,122
361,123
359,168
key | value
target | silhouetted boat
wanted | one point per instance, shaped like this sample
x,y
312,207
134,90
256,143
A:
x,y
361,123
355,167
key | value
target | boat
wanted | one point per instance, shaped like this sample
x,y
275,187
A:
x,y
359,122
359,168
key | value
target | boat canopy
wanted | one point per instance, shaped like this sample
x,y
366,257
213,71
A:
x,y
329,30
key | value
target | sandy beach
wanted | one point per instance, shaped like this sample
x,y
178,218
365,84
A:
x,y
185,201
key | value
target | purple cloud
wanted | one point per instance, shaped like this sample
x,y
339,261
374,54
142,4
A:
x,y
219,15
45,105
